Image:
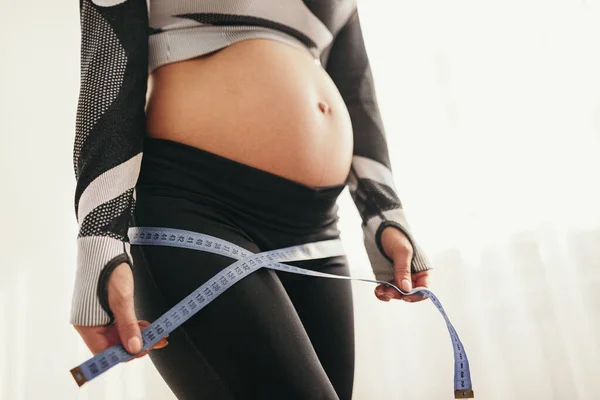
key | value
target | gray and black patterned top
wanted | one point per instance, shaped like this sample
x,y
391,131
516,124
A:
x,y
122,40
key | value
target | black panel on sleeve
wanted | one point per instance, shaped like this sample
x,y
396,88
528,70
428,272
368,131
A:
x,y
117,135
348,66
372,198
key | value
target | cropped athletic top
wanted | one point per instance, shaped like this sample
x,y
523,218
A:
x,y
123,40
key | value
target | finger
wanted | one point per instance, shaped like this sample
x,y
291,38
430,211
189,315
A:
x,y
120,299
94,337
423,278
398,247
380,293
420,279
139,355
143,324
402,274
161,344
389,292
415,298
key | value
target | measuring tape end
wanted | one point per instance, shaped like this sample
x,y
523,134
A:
x,y
78,376
464,394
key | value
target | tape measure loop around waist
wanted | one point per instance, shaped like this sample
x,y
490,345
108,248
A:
x,y
245,263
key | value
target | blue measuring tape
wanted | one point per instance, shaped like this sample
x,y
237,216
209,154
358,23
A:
x,y
245,264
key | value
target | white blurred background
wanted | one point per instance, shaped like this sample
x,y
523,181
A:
x,y
492,109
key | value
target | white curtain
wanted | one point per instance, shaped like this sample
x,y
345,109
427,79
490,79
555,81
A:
x,y
492,110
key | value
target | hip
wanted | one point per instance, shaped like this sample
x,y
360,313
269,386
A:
x,y
183,187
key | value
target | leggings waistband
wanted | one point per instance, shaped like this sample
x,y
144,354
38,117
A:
x,y
172,167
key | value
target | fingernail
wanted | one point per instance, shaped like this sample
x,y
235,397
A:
x,y
391,295
408,300
135,344
405,285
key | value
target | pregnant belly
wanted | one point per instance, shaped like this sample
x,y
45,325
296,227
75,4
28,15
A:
x,y
258,102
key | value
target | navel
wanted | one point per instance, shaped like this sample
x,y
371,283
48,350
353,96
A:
x,y
324,107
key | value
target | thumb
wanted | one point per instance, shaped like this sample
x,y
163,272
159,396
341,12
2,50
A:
x,y
402,272
402,277
399,249
120,300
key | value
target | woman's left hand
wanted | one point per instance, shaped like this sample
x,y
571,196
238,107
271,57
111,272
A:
x,y
397,246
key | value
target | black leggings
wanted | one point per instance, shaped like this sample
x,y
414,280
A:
x,y
273,335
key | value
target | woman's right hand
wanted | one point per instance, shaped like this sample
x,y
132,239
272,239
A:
x,y
126,329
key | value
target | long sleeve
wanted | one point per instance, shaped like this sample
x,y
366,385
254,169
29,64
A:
x,y
370,180
107,152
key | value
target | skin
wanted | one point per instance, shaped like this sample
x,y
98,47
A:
x,y
397,246
258,102
127,328
261,103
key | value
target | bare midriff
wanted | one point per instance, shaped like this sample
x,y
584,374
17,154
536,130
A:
x,y
259,102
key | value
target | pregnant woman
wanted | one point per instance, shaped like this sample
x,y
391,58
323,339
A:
x,y
243,120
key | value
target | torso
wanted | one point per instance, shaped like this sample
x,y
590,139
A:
x,y
259,102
